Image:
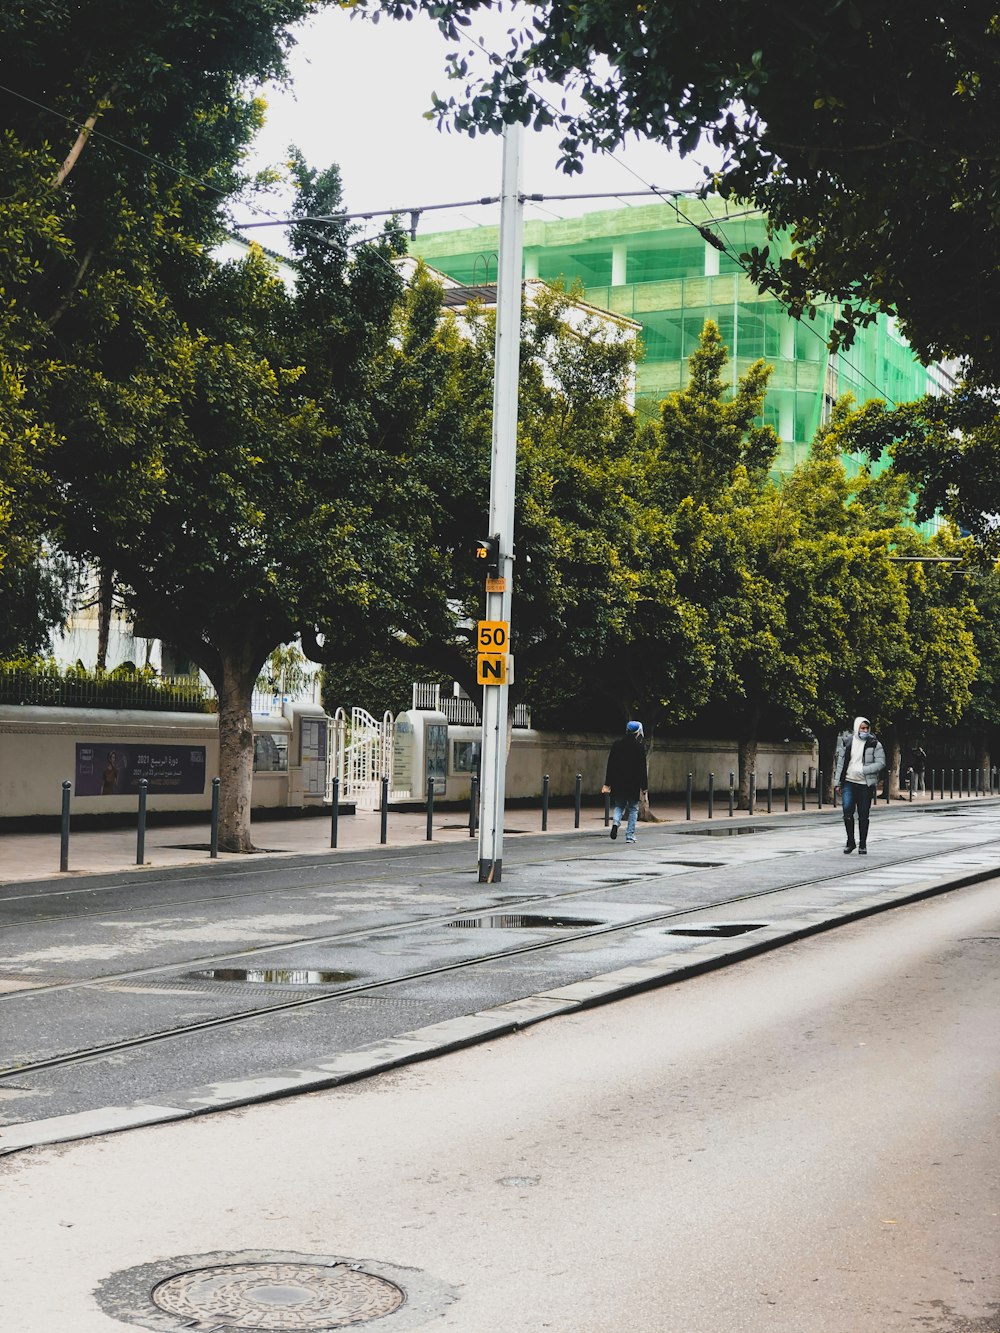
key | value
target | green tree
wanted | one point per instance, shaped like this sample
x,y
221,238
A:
x,y
256,504
573,509
947,449
711,628
901,634
867,130
123,133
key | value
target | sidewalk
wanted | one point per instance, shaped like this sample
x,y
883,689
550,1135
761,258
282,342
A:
x,y
34,856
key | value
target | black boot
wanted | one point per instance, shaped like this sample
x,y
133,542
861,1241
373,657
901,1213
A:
x,y
850,837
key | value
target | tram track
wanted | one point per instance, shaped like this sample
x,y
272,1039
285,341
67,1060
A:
x,y
408,924
536,905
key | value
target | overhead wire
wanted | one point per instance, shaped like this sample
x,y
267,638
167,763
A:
x,y
666,196
669,197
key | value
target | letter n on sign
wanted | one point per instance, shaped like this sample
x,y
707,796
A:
x,y
491,668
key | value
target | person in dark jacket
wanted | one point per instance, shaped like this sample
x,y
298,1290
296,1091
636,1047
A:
x,y
859,760
626,779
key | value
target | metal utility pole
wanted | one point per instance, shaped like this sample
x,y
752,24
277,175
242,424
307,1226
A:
x,y
494,632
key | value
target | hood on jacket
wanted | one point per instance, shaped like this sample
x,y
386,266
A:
x,y
857,723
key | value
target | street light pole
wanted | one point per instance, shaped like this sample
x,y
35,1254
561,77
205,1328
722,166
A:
x,y
502,481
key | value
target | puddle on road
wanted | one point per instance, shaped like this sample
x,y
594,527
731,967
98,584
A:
x,y
721,832
518,921
698,865
273,976
724,930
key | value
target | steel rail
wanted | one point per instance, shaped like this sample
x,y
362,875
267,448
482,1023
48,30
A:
x,y
205,1025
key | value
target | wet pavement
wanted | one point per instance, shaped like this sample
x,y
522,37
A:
x,y
140,994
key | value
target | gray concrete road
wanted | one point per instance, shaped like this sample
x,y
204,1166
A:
x,y
807,1142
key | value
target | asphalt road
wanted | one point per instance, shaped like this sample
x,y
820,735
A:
x,y
191,991
807,1141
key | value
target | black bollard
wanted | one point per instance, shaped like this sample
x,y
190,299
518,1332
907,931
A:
x,y
384,830
788,788
732,793
140,839
335,812
213,850
770,790
753,793
577,800
805,787
67,787
430,809
689,791
819,790
951,785
711,794
607,808
933,776
474,805
545,804
911,779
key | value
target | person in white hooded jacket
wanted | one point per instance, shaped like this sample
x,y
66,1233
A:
x,y
858,761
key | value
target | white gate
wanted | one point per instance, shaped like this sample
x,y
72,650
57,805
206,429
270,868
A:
x,y
361,757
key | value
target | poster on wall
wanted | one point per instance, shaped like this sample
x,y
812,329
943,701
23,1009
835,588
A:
x,y
116,770
436,743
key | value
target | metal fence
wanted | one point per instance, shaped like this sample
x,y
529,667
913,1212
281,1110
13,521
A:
x,y
120,690
460,711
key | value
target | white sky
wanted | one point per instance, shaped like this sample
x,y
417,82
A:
x,y
358,97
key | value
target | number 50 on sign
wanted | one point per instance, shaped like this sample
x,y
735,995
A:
x,y
493,636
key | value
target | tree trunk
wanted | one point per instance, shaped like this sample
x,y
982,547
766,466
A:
x,y
83,138
105,605
827,738
747,765
982,757
235,753
893,746
646,815
747,754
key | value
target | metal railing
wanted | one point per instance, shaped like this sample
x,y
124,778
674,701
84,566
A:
x,y
460,711
117,690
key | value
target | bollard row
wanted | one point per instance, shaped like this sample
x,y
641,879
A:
x,y
970,782
140,837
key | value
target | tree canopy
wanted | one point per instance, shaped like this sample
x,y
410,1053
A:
x,y
867,130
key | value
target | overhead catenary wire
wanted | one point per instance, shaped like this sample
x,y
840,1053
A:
x,y
666,196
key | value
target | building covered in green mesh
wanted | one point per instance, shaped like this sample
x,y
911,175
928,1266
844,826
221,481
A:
x,y
653,264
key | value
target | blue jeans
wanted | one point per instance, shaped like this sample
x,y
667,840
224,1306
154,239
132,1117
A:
x,y
633,815
856,796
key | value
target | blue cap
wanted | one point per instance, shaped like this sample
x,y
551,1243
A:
x,y
634,728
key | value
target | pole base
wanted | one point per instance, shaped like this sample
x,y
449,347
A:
x,y
490,872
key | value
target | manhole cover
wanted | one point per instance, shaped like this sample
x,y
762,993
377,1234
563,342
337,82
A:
x,y
722,931
273,976
518,921
278,1296
271,1291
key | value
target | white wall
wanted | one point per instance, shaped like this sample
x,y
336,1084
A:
x,y
562,756
38,752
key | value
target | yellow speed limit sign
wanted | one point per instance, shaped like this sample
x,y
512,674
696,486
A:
x,y
493,636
